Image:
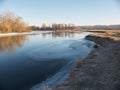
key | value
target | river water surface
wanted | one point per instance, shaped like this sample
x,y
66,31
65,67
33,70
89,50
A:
x,y
32,61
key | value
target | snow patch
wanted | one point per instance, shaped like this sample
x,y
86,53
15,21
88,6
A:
x,y
23,33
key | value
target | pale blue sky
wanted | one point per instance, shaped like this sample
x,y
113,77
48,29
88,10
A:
x,y
78,12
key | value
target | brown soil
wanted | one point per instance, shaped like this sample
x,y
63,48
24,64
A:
x,y
100,70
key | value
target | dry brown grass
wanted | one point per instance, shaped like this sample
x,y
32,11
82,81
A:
x,y
111,34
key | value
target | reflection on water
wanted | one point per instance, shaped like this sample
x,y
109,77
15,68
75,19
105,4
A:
x,y
10,44
42,56
59,34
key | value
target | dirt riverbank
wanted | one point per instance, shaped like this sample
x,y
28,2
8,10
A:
x,y
100,70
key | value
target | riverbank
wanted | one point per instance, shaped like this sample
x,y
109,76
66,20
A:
x,y
100,70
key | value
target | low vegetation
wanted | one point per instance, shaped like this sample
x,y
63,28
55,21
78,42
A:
x,y
9,22
111,34
101,27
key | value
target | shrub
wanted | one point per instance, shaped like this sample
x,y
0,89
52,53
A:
x,y
9,22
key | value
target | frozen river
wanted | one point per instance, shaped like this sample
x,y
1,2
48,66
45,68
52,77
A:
x,y
36,60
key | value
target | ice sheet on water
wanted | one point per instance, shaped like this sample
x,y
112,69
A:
x,y
71,50
65,49
23,33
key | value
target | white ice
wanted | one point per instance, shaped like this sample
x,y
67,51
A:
x,y
23,33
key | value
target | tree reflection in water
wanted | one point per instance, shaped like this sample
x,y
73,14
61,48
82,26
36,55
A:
x,y
11,43
59,34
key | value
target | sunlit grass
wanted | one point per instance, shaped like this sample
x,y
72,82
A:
x,y
112,34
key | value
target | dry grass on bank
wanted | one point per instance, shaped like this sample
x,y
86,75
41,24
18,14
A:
x,y
111,34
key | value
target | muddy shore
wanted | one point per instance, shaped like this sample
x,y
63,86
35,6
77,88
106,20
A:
x,y
100,70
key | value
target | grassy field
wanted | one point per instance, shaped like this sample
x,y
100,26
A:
x,y
112,34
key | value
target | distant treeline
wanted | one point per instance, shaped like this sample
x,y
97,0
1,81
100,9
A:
x,y
73,27
101,27
9,22
54,27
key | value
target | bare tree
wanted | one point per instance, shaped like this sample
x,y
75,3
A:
x,y
9,22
